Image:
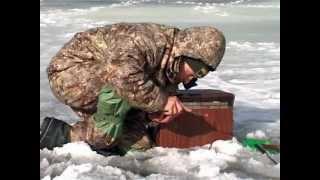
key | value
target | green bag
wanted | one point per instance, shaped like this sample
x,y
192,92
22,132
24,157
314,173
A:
x,y
111,112
254,144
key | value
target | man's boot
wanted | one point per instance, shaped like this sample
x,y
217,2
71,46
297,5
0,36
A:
x,y
135,135
54,133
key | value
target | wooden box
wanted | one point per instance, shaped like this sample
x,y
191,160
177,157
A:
x,y
211,119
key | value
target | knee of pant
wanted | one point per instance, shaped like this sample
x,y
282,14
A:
x,y
88,132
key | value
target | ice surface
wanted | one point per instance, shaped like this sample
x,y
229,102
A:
x,y
225,160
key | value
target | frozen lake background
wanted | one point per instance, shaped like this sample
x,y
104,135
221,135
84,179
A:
x,y
250,69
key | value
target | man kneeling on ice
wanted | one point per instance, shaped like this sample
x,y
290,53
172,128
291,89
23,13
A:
x,y
120,77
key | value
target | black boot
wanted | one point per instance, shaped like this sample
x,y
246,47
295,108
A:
x,y
54,133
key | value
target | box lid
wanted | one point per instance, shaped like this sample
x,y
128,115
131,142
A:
x,y
205,95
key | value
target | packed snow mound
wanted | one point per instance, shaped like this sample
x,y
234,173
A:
x,y
258,134
220,160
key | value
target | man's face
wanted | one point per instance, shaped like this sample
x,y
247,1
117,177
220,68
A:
x,y
187,76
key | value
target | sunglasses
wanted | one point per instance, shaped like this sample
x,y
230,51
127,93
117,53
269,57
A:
x,y
202,72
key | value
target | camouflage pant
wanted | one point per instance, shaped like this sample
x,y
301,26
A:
x,y
104,129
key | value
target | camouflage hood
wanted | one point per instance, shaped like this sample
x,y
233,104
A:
x,y
206,44
139,60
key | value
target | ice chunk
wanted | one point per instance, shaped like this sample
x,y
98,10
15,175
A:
x,y
258,134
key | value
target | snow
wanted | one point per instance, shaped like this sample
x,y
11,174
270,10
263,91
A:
x,y
220,160
258,134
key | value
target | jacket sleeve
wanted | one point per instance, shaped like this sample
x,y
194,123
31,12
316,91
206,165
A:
x,y
131,78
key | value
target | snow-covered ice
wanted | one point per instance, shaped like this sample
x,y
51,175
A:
x,y
224,160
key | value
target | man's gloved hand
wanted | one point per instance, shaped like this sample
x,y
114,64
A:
x,y
172,109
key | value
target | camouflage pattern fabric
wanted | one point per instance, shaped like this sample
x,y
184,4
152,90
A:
x,y
111,113
114,123
138,60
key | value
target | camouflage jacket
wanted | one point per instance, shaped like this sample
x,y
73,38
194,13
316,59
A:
x,y
136,59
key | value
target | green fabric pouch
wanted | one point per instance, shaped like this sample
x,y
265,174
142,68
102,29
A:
x,y
111,112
